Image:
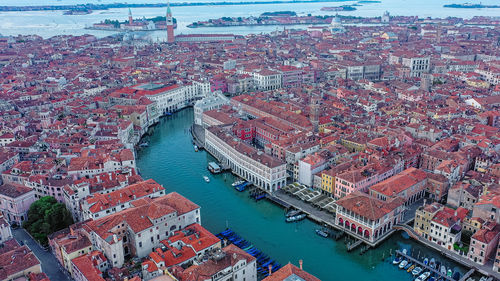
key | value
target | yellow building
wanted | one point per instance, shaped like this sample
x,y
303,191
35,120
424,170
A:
x,y
423,218
327,182
353,145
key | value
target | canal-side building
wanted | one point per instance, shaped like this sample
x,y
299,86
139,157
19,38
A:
x,y
484,243
264,171
291,272
423,217
140,229
368,218
101,205
231,263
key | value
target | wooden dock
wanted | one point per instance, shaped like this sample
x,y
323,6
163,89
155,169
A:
x,y
352,246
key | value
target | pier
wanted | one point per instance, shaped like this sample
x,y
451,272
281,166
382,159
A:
x,y
433,270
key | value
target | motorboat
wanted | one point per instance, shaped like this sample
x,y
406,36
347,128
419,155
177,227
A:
x,y
144,144
408,266
206,179
195,148
426,261
423,276
432,263
322,233
410,269
397,260
292,213
403,264
416,271
296,218
443,269
449,272
237,183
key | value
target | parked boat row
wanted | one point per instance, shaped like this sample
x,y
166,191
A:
x,y
263,261
423,271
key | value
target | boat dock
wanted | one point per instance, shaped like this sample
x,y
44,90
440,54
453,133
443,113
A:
x,y
352,246
433,270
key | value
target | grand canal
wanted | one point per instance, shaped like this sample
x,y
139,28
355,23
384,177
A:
x,y
171,160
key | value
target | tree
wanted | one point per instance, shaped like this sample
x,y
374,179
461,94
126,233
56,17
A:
x,y
45,217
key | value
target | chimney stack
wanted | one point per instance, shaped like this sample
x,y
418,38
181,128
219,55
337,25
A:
x,y
300,264
270,269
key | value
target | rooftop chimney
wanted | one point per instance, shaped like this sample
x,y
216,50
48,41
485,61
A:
x,y
300,264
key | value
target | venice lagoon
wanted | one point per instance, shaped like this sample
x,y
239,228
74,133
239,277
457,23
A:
x,y
51,23
171,160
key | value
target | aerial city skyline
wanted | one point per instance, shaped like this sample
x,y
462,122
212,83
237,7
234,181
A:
x,y
316,140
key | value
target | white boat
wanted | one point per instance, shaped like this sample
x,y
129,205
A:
x,y
423,276
397,260
426,261
432,263
403,264
237,183
195,148
206,178
443,269
416,271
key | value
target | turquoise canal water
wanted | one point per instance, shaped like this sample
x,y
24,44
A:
x,y
171,160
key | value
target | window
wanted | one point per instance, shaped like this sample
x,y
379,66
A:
x,y
140,244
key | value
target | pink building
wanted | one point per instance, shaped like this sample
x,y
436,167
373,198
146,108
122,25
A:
x,y
359,179
15,201
484,242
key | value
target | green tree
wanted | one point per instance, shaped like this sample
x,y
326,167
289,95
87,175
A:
x,y
45,217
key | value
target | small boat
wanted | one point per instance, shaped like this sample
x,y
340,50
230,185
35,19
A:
x,y
296,218
292,213
449,272
195,148
237,183
416,271
206,178
403,264
144,144
456,275
426,261
408,265
410,268
443,269
397,260
405,251
432,263
241,187
423,276
168,113
322,233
